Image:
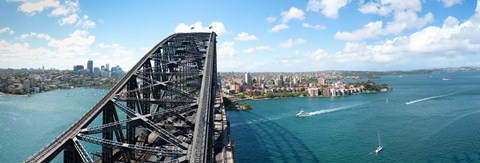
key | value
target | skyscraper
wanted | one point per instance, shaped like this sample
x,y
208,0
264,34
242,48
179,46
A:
x,y
90,66
248,78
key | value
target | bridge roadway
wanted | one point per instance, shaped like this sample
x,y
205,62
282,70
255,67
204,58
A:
x,y
51,150
204,120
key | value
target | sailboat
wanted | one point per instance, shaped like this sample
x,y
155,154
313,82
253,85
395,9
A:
x,y
380,147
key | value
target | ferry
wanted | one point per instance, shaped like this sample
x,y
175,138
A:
x,y
302,114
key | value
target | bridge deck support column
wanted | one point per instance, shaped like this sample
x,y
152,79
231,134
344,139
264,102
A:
x,y
131,127
70,154
107,133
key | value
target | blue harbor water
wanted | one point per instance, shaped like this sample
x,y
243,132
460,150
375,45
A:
x,y
440,123
29,123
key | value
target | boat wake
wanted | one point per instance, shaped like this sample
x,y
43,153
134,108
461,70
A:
x,y
331,110
429,98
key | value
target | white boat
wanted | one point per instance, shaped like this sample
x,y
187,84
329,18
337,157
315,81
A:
x,y
444,78
302,113
380,147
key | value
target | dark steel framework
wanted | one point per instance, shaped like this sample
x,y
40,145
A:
x,y
162,109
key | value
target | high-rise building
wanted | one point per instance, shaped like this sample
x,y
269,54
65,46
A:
x,y
248,78
77,68
90,66
96,72
107,66
117,72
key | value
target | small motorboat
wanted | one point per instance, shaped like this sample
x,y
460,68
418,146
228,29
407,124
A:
x,y
302,114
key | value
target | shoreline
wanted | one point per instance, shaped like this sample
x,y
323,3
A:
x,y
31,94
13,95
321,96
267,98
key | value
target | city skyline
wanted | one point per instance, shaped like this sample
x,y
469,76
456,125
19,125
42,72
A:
x,y
293,36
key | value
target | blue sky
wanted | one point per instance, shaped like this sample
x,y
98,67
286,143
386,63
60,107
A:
x,y
253,36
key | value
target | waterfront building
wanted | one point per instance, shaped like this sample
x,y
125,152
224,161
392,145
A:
x,y
36,89
26,85
90,66
313,91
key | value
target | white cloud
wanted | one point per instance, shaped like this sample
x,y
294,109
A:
x,y
329,8
452,44
450,3
318,54
31,8
104,46
290,43
278,28
217,27
71,19
63,53
292,14
407,20
404,17
59,53
86,23
33,34
386,7
245,37
65,9
15,54
370,30
235,65
78,42
226,49
6,30
317,27
271,19
258,49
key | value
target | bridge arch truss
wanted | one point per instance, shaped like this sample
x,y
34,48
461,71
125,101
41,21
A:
x,y
162,109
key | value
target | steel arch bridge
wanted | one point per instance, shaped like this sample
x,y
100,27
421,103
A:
x,y
165,109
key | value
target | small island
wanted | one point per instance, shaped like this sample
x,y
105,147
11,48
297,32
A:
x,y
229,105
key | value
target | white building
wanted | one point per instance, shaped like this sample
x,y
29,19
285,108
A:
x,y
313,91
